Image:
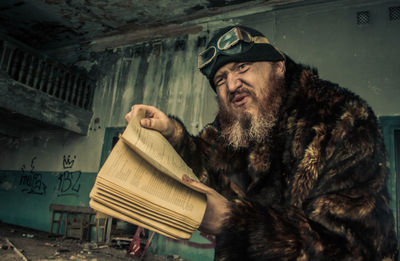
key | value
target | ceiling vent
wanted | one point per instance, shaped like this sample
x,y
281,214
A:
x,y
363,17
394,13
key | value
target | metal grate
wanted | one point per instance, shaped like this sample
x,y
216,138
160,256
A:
x,y
363,17
39,72
394,13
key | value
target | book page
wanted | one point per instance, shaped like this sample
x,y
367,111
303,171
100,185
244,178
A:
x,y
145,206
153,226
125,168
156,149
134,211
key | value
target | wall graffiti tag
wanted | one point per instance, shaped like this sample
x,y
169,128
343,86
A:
x,y
68,181
68,162
32,182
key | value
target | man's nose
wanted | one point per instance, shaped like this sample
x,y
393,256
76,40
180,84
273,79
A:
x,y
233,82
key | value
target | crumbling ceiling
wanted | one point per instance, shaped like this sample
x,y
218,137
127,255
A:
x,y
49,24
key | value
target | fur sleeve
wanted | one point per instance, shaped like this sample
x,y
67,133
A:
x,y
194,149
337,206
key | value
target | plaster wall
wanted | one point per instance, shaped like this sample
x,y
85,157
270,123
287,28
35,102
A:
x,y
363,58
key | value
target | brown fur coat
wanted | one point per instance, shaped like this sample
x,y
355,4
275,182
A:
x,y
315,191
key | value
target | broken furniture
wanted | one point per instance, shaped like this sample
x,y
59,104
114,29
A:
x,y
76,220
103,228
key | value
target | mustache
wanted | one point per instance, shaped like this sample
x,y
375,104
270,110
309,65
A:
x,y
241,90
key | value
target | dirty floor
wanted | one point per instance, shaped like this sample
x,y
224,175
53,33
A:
x,y
38,245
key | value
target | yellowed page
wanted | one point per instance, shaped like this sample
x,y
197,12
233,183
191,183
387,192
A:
x,y
128,211
125,168
143,205
138,208
113,213
156,149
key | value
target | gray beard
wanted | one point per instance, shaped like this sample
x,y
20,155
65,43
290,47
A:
x,y
248,129
242,129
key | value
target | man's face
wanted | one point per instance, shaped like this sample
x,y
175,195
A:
x,y
249,97
241,86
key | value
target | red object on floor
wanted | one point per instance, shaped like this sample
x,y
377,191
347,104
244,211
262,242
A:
x,y
135,248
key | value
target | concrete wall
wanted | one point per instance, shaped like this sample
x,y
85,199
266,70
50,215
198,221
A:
x,y
363,58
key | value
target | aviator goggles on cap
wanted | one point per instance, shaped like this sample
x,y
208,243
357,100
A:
x,y
233,42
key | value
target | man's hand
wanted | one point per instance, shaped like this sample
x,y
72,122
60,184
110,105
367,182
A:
x,y
154,119
217,209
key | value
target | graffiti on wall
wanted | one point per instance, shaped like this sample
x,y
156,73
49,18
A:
x,y
32,181
68,162
68,181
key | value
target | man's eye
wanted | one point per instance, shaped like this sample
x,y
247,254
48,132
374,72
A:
x,y
243,67
219,82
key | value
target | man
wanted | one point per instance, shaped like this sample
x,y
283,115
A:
x,y
294,166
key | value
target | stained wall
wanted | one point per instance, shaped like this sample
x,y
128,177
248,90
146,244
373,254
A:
x,y
163,73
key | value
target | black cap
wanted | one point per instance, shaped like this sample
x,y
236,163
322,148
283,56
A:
x,y
258,52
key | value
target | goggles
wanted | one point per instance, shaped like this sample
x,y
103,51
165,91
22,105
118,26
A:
x,y
233,42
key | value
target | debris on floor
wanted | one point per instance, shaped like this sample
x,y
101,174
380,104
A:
x,y
19,243
11,245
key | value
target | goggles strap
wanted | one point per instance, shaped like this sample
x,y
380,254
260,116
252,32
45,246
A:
x,y
259,39
254,39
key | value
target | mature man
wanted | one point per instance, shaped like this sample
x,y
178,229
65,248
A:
x,y
294,166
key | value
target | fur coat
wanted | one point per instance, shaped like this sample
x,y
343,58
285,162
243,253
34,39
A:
x,y
316,190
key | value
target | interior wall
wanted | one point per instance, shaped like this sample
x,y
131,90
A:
x,y
363,58
360,57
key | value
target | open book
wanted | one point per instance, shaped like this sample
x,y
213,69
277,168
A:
x,y
141,183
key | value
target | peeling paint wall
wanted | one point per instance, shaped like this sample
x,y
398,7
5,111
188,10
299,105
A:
x,y
163,73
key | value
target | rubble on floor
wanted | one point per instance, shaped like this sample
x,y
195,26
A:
x,y
19,243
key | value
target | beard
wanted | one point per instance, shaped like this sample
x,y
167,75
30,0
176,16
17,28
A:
x,y
240,129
